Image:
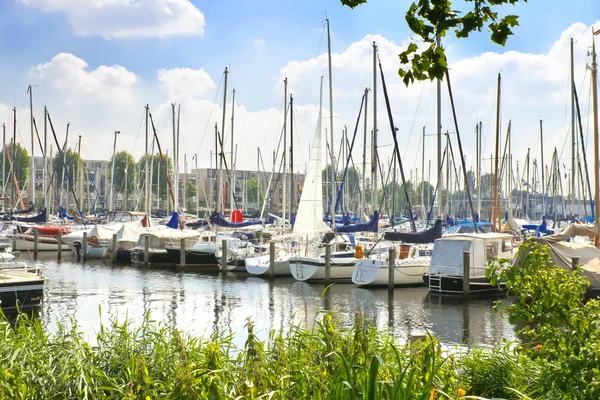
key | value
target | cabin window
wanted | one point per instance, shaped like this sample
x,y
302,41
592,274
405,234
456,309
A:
x,y
491,250
507,245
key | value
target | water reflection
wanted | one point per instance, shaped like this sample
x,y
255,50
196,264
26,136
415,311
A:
x,y
200,304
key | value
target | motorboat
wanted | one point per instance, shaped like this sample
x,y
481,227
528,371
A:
x,y
21,287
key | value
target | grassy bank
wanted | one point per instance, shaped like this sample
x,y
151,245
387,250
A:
x,y
558,357
327,363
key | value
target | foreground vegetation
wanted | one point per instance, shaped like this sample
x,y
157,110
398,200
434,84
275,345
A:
x,y
558,356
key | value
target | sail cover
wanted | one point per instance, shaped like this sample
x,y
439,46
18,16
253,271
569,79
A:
x,y
217,219
310,209
428,236
370,226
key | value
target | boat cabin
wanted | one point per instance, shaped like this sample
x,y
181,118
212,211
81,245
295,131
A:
x,y
127,216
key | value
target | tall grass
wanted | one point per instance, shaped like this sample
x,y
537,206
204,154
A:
x,y
330,362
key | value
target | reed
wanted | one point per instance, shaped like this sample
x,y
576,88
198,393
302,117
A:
x,y
156,361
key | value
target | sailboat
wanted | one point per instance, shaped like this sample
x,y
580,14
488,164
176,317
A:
x,y
309,219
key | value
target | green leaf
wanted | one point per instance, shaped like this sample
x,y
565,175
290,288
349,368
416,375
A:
x,y
353,3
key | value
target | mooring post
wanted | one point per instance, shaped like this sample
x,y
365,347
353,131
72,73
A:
x,y
271,260
392,268
466,273
574,263
14,239
327,264
224,256
113,255
146,250
182,252
84,245
36,237
59,243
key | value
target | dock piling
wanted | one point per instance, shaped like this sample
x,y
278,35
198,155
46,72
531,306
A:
x,y
59,242
84,245
327,264
224,257
466,273
391,268
574,263
146,250
271,260
182,252
36,238
113,255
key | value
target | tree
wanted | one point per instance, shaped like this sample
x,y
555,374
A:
x,y
252,192
485,181
190,194
430,18
123,160
69,162
425,192
159,182
352,186
21,162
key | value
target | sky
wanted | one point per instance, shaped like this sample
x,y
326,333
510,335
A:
x,y
96,63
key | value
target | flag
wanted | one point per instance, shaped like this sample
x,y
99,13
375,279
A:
x,y
524,183
597,32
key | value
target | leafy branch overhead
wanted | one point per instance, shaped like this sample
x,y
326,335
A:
x,y
430,18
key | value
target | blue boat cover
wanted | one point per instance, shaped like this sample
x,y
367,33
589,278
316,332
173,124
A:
x,y
428,236
62,214
370,226
217,219
40,217
174,221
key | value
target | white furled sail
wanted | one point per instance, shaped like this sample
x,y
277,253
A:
x,y
310,209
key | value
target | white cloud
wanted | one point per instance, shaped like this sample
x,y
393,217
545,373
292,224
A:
x,y
258,42
185,82
127,18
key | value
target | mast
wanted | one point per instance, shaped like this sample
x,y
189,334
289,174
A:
x,y
423,211
80,175
478,166
233,175
439,136
292,182
495,188
374,162
32,173
218,202
573,137
528,186
112,175
223,142
177,164
147,178
333,191
542,161
595,110
125,196
14,161
3,159
364,166
284,174
175,180
46,202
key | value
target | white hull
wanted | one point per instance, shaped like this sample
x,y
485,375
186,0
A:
x,y
304,269
375,273
44,244
262,266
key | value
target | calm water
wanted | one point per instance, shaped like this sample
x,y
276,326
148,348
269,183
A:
x,y
95,292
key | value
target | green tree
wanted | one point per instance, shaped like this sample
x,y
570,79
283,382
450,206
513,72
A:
x,y
429,18
159,182
425,192
21,162
69,162
252,192
190,194
123,160
485,181
352,186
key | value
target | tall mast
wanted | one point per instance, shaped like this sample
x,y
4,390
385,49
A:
x,y
292,182
364,166
374,159
333,191
46,202
223,141
542,168
177,164
573,138
495,188
80,175
439,136
478,166
284,174
528,186
32,173
3,159
176,205
218,202
147,172
232,194
112,175
424,208
14,162
125,195
595,110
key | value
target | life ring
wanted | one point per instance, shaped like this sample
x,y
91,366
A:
x,y
94,240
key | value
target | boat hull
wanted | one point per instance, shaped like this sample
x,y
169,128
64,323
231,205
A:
x,y
155,257
375,273
311,269
262,266
195,259
26,243
453,285
20,296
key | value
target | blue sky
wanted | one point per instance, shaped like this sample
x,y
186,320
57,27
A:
x,y
258,39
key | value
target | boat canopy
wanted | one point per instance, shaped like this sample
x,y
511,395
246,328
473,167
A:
x,y
427,236
371,226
